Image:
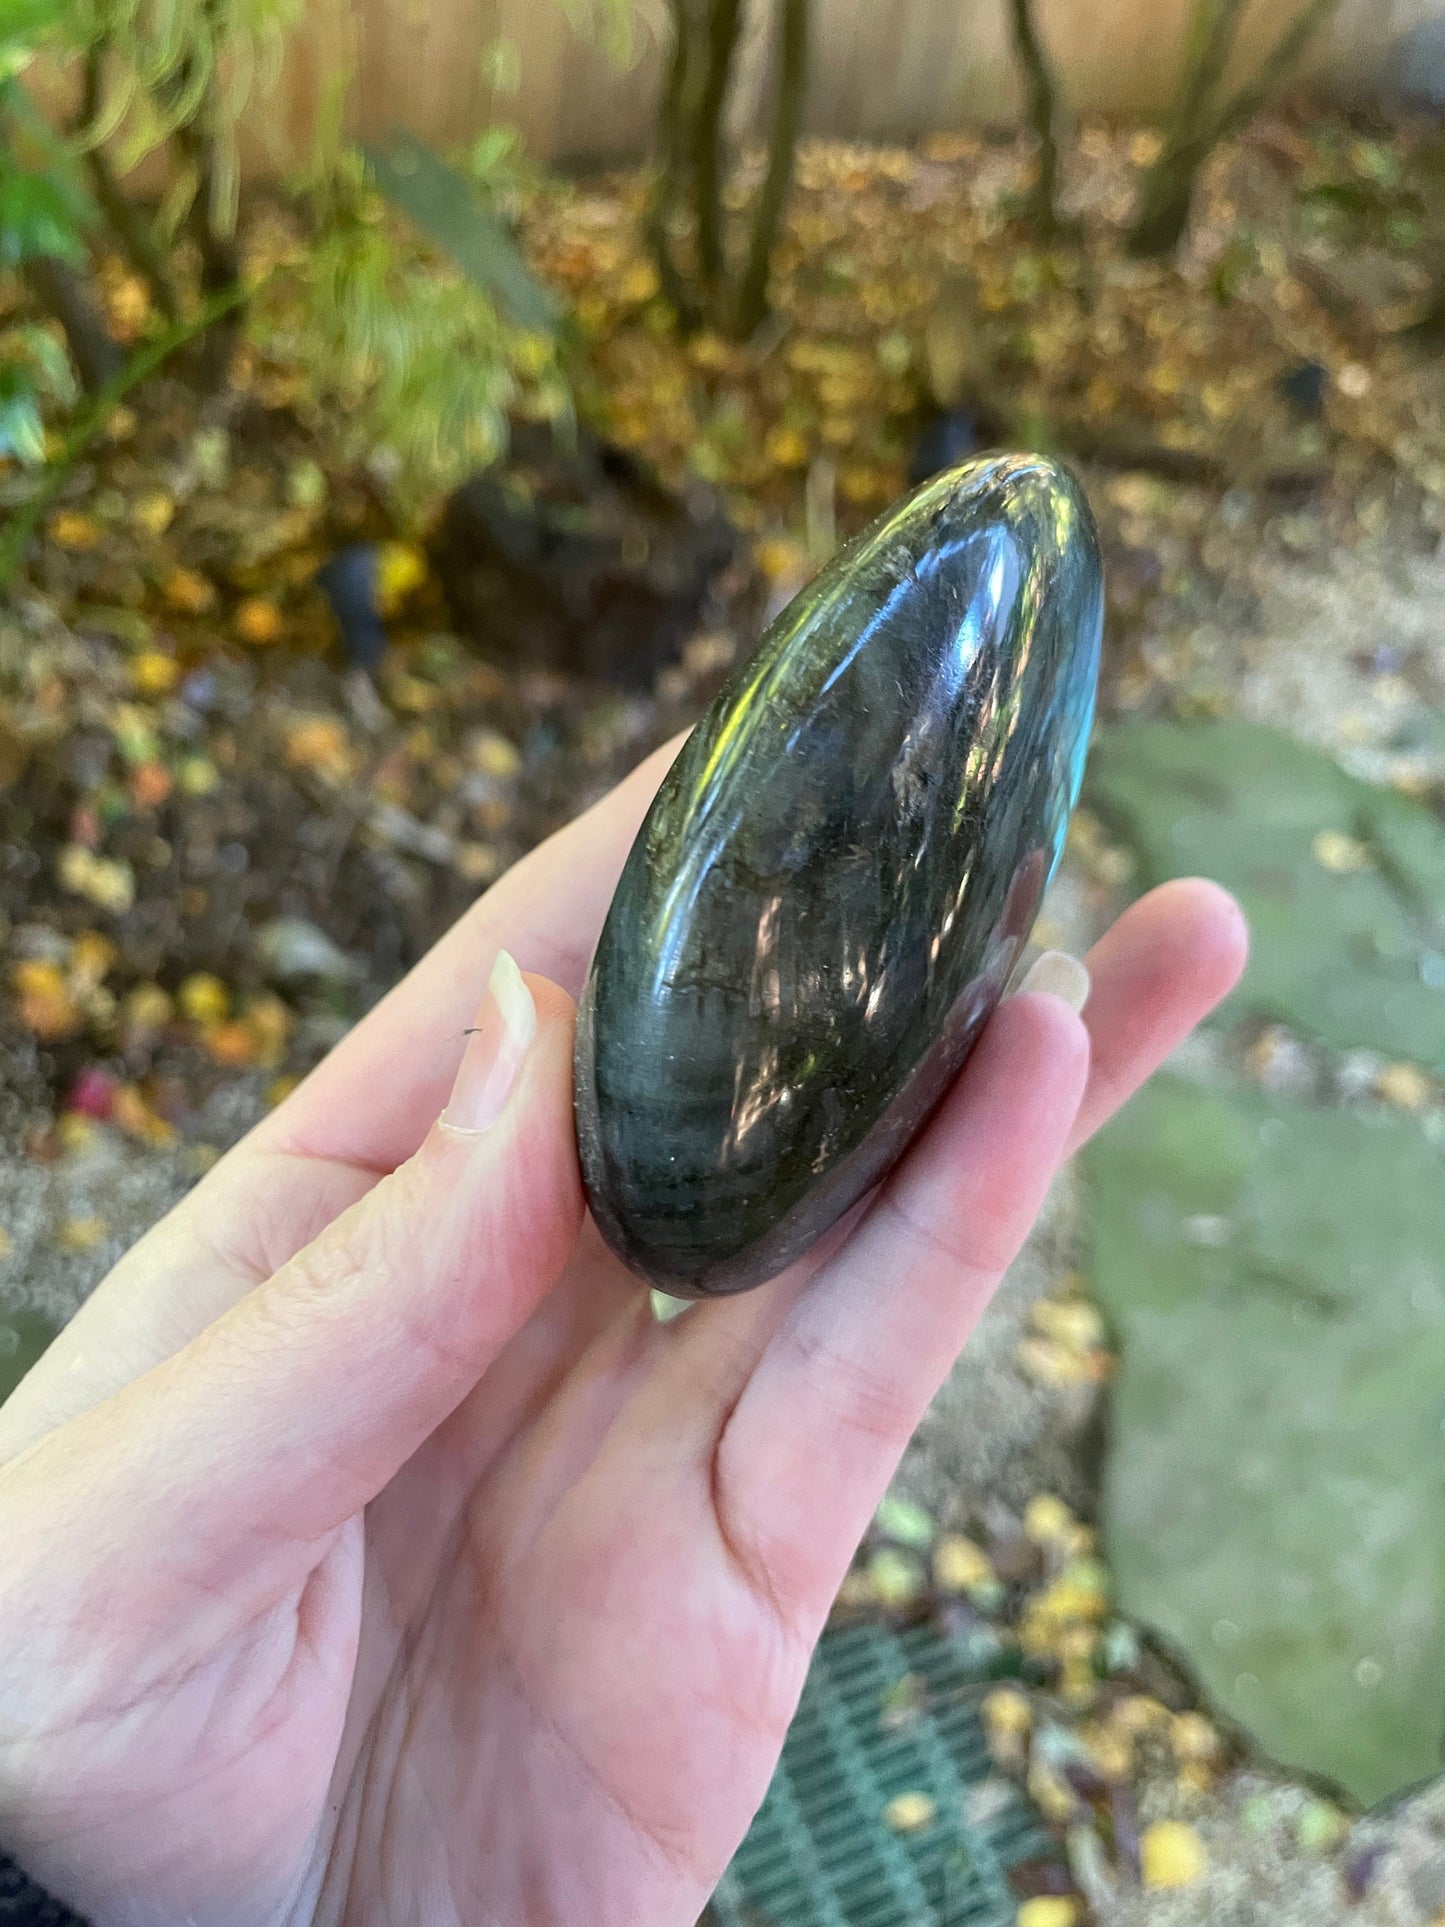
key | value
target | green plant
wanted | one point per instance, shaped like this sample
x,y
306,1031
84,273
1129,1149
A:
x,y
419,356
34,368
180,73
423,335
685,227
16,537
44,209
1205,114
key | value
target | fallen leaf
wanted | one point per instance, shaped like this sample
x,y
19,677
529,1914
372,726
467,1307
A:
x,y
153,511
70,529
910,1812
82,1234
961,1566
1050,1910
1406,1087
1340,854
259,622
189,592
154,673
1171,1854
109,884
204,998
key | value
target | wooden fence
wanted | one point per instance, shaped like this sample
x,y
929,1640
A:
x,y
882,69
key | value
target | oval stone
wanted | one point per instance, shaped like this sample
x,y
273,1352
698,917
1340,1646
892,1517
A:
x,y
836,878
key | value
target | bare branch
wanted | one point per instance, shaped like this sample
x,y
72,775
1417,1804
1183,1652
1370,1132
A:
x,y
793,28
1169,187
671,167
722,34
1042,111
1273,69
1212,31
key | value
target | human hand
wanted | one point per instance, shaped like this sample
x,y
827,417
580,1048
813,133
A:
x,y
371,1554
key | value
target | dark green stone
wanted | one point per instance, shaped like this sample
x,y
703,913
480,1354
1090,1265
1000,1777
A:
x,y
836,878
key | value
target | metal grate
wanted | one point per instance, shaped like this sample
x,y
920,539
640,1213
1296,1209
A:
x,y
821,1854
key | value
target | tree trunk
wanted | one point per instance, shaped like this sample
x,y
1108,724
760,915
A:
x,y
1042,112
667,188
723,19
782,147
63,293
1165,203
1200,124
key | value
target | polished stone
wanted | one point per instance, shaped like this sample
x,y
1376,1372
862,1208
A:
x,y
836,878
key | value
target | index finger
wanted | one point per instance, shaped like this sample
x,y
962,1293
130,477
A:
x,y
371,1101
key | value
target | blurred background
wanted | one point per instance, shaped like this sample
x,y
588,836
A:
x,y
407,416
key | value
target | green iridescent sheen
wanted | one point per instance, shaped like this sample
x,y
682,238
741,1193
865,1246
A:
x,y
837,876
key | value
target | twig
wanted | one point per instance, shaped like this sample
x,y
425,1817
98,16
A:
x,y
657,219
1211,40
722,33
1042,114
1195,131
1291,44
15,541
782,146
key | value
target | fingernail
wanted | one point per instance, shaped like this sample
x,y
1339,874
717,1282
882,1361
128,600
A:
x,y
505,1027
1060,975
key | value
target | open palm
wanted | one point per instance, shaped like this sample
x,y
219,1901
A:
x,y
371,1554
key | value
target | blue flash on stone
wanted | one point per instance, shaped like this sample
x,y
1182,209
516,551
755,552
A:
x,y
837,876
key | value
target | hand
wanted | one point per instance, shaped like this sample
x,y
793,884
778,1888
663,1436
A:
x,y
371,1554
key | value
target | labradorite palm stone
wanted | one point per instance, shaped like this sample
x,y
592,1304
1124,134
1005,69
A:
x,y
837,877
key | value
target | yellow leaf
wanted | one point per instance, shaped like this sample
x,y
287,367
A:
x,y
1047,1520
154,673
320,743
70,529
153,511
400,569
1069,1321
961,1566
82,1234
110,885
639,284
785,448
910,1812
495,755
1192,1737
1340,854
92,958
189,592
1171,1854
1006,1710
1407,1088
1047,1362
1050,1910
231,1044
1139,1713
259,621
204,998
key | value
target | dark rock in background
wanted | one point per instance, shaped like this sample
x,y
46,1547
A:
x,y
576,558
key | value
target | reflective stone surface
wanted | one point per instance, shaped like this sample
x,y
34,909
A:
x,y
836,878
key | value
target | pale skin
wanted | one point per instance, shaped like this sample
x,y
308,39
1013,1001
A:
x,y
371,1555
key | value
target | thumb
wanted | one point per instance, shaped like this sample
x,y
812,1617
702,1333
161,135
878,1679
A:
x,y
292,1411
